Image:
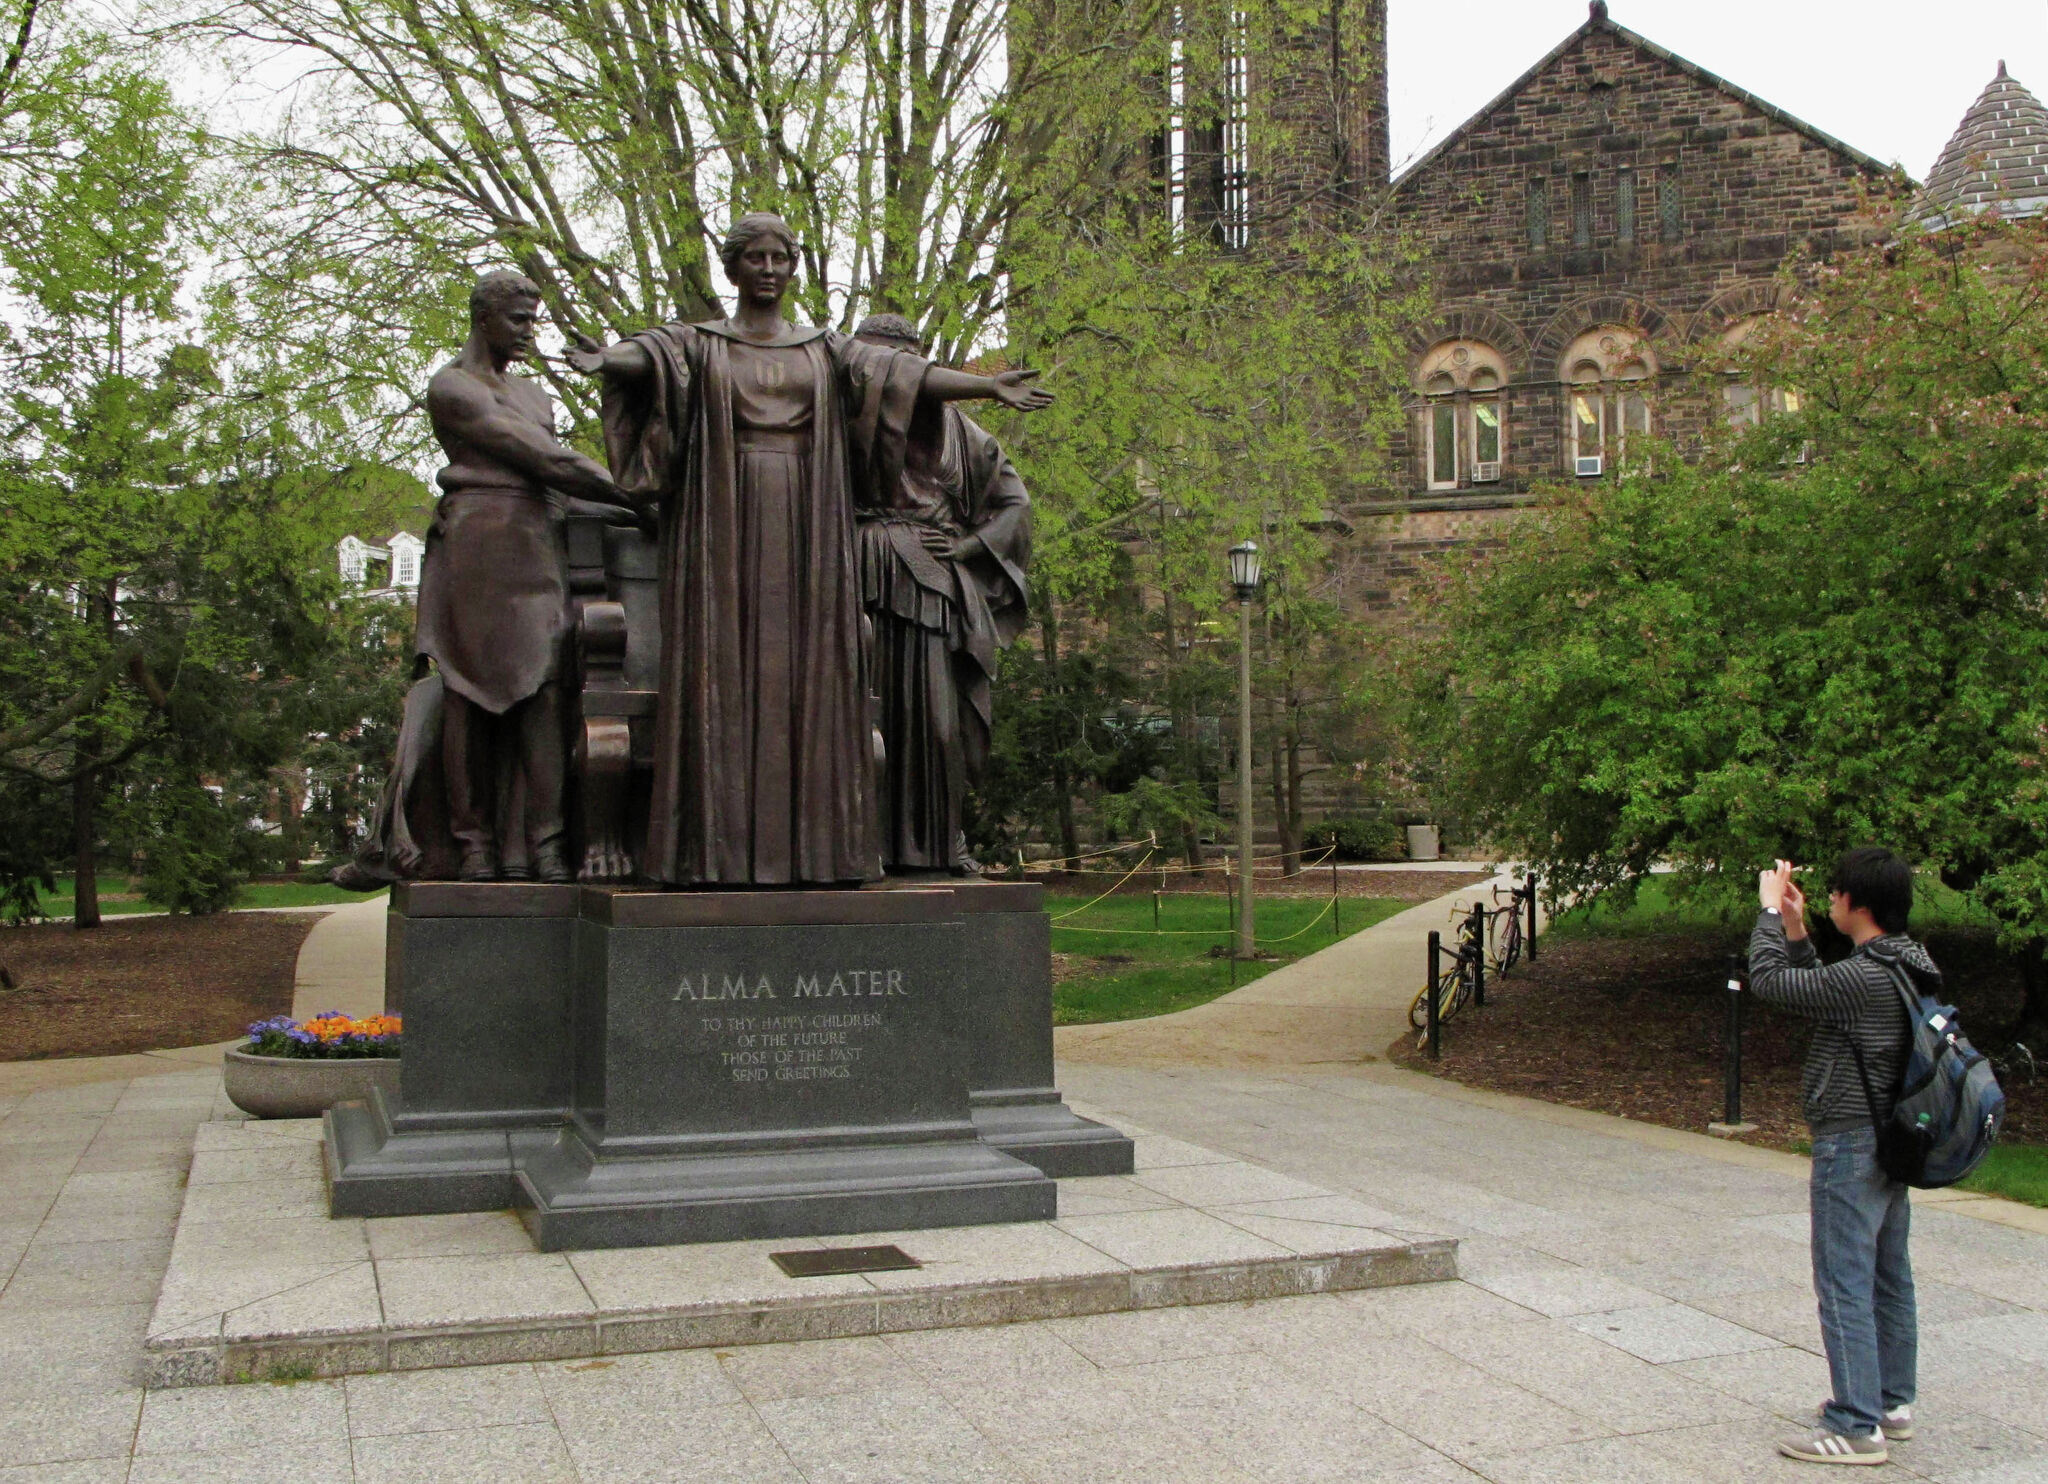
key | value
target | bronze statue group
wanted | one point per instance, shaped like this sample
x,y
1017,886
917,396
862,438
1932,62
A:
x,y
842,554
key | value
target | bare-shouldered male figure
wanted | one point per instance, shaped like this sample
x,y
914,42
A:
x,y
494,592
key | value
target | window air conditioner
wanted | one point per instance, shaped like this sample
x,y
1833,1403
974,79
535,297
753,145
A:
x,y
1486,473
1588,464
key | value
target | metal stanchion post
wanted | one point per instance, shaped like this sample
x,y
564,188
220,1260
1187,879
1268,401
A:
x,y
1155,911
1336,902
1477,933
1429,991
1532,917
1731,1059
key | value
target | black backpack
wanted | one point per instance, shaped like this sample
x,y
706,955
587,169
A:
x,y
1947,1106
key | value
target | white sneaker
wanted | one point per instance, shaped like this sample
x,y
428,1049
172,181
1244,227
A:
x,y
1823,1445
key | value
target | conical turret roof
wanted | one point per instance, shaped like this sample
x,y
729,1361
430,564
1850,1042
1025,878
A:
x,y
1998,159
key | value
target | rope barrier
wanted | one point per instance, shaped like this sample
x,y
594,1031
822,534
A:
x,y
1170,868
1183,932
1299,931
1111,892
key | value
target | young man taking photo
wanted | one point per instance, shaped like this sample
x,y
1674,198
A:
x,y
1861,1273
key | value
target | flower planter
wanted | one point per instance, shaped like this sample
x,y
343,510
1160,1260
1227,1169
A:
x,y
304,1087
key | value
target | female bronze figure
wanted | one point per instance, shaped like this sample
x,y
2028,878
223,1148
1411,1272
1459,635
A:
x,y
757,439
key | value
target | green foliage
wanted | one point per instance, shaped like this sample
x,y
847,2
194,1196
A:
x,y
195,852
1156,808
32,837
1358,839
168,504
1751,656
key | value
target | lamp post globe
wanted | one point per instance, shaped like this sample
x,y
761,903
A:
x,y
1244,570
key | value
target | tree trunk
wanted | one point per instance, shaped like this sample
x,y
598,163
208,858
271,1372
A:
x,y
86,886
291,825
1183,714
1285,755
1062,781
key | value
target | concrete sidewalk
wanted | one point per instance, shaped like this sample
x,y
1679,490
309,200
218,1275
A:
x,y
1636,1310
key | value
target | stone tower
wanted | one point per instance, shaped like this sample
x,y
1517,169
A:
x,y
1281,108
1998,159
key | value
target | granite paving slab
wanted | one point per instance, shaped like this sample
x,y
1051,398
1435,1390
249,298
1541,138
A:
x,y
261,1286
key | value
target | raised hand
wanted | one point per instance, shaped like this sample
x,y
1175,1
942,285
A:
x,y
1014,389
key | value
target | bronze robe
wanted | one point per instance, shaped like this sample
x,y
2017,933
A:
x,y
763,772
938,625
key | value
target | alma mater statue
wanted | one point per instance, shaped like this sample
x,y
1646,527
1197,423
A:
x,y
758,439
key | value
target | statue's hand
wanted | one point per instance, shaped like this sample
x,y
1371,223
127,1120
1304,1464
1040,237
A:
x,y
1014,389
586,355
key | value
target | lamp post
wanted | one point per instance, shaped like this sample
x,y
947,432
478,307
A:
x,y
1244,576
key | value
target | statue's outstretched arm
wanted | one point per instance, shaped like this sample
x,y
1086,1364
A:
x,y
1011,388
624,360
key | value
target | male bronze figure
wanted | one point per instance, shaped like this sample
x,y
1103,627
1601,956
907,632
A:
x,y
494,592
758,439
945,562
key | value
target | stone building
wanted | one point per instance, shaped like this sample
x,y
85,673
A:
x,y
1612,209
1616,209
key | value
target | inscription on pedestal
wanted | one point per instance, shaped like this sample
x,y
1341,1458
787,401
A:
x,y
751,1028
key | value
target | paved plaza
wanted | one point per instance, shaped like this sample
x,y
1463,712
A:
x,y
1633,1306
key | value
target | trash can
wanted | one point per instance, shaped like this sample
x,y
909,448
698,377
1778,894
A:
x,y
1423,842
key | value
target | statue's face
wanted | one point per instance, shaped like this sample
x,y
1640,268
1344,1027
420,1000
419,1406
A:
x,y
508,329
762,273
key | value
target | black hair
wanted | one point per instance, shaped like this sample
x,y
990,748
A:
x,y
1877,880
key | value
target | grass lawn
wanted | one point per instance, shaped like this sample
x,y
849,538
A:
x,y
1111,965
118,895
2016,1171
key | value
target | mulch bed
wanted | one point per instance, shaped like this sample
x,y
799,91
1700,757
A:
x,y
144,983
1634,1026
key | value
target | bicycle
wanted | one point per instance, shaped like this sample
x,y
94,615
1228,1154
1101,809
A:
x,y
1454,986
1504,943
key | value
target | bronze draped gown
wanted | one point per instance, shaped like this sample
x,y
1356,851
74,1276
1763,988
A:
x,y
758,456
938,623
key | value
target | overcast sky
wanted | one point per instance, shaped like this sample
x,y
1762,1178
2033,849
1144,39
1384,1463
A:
x,y
1891,77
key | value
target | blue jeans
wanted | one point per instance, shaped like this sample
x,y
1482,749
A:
x,y
1864,1281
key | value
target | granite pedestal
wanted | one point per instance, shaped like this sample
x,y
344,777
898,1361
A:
x,y
1008,994
630,1067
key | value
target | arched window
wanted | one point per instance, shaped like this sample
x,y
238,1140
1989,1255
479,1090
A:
x,y
354,561
1746,400
405,560
1611,372
1464,424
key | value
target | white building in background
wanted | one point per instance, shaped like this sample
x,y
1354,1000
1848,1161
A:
x,y
390,570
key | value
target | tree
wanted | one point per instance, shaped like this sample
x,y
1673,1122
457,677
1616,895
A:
x,y
604,147
166,518
1825,632
1207,394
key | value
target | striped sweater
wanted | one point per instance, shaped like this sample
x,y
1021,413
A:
x,y
1856,999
